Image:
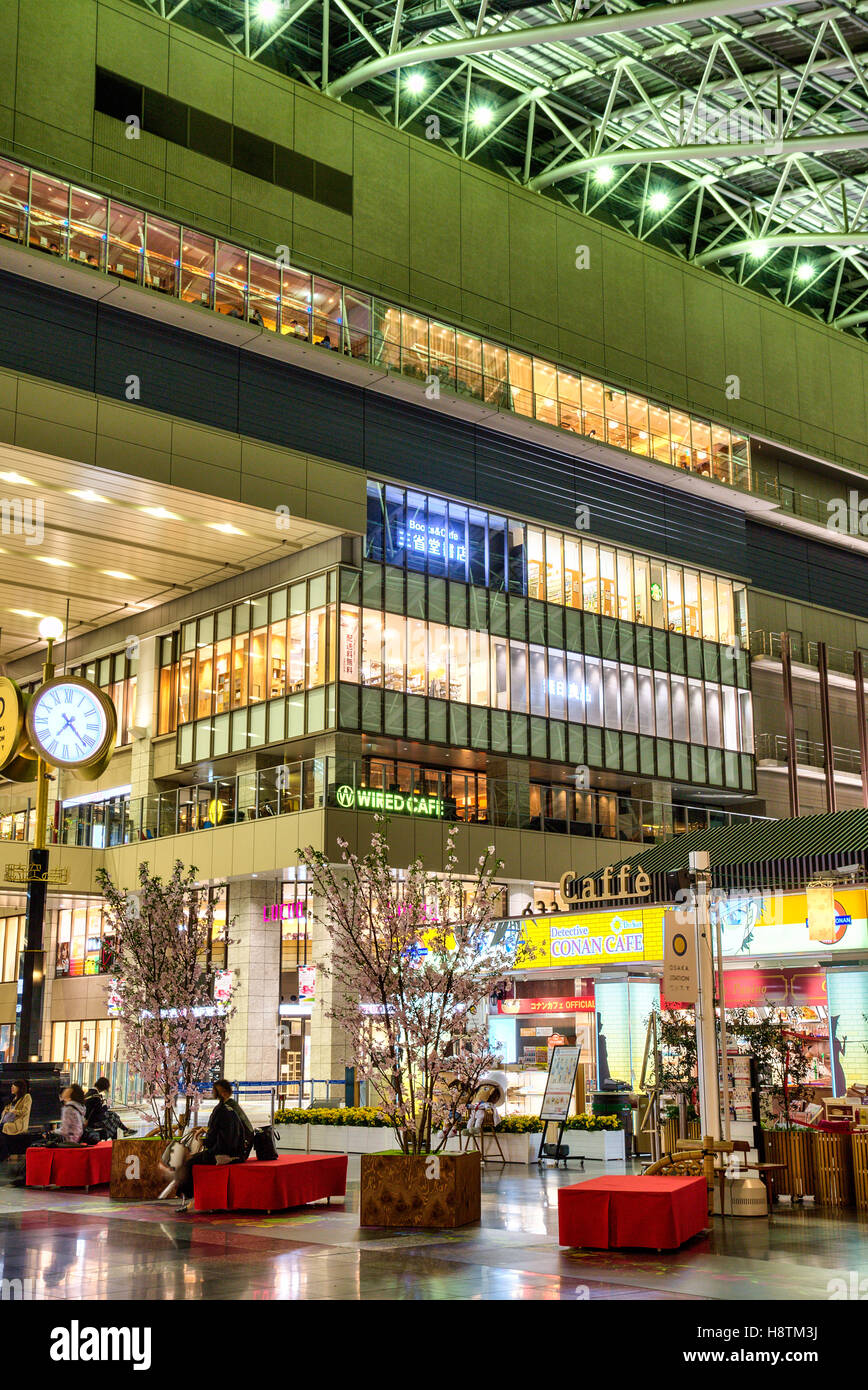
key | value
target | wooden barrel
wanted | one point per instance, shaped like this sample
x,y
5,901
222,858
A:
x,y
833,1168
794,1149
859,1157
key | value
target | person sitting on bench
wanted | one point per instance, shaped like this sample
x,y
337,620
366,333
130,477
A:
x,y
224,1141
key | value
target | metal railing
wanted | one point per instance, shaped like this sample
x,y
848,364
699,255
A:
x,y
765,643
125,1087
773,748
317,783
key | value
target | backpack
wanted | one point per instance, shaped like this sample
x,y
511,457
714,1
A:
x,y
263,1144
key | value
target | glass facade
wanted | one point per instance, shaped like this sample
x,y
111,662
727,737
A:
x,y
430,535
114,238
85,939
255,673
117,675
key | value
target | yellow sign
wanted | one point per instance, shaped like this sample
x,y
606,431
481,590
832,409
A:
x,y
13,735
594,938
753,925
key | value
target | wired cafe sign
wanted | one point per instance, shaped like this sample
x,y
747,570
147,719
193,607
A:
x,y
397,803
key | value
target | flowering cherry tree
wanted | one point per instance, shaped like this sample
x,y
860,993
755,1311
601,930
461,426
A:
x,y
412,958
172,1029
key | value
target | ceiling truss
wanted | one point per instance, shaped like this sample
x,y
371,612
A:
x,y
732,134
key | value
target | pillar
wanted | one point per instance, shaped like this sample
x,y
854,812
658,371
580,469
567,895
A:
x,y
252,1034
330,1050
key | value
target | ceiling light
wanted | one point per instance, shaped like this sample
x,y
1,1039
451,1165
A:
x,y
117,574
16,478
416,82
87,495
25,613
482,115
53,560
604,174
658,200
267,11
757,249
226,528
160,513
805,271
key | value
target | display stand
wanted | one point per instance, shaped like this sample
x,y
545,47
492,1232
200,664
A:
x,y
560,1083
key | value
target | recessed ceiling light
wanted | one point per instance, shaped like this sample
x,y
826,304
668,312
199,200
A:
x,y
161,513
226,528
54,561
87,494
17,478
117,574
25,613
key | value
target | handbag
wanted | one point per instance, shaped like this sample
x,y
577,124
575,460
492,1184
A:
x,y
263,1144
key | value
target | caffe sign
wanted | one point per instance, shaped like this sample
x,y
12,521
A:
x,y
626,885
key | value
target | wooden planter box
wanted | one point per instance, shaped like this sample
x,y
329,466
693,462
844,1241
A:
x,y
833,1169
859,1157
135,1175
793,1148
438,1192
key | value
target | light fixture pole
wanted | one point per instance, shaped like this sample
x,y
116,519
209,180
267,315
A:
x,y
29,1032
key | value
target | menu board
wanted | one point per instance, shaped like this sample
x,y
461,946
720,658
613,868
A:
x,y
560,1083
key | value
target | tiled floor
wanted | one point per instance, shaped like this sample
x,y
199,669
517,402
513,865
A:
x,y
76,1245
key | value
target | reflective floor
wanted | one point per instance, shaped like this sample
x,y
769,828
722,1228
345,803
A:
x,y
77,1245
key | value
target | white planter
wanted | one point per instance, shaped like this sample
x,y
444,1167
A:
x,y
369,1139
517,1148
329,1139
604,1144
293,1138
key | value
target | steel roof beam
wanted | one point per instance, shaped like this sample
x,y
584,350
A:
x,y
622,23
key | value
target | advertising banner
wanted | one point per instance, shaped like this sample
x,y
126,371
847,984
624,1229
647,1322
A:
x,y
545,1006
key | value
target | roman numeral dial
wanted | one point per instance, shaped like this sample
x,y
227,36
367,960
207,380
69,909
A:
x,y
71,722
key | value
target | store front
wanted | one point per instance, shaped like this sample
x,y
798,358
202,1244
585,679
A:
x,y
775,965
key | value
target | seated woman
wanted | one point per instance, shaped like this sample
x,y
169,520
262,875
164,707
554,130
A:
x,y
15,1121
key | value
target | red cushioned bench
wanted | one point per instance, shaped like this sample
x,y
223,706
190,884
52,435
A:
x,y
291,1180
85,1167
656,1212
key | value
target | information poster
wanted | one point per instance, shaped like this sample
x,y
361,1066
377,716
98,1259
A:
x,y
560,1083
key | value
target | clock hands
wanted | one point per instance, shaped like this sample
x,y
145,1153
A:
x,y
67,720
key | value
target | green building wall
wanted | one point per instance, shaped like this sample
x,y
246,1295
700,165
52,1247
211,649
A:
x,y
431,231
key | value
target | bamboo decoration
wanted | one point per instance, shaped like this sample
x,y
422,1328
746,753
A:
x,y
859,1156
832,1169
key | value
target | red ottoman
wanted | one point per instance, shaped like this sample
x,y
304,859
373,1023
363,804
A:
x,y
85,1167
656,1213
288,1181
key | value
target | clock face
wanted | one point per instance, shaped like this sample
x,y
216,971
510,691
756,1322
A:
x,y
69,723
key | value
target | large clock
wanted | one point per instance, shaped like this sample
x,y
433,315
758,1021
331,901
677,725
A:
x,y
71,723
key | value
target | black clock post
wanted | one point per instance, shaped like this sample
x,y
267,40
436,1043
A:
x,y
45,1078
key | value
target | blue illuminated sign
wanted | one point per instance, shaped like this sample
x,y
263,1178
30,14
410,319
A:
x,y
431,540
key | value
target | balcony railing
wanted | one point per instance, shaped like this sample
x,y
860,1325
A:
x,y
772,748
320,782
107,236
763,643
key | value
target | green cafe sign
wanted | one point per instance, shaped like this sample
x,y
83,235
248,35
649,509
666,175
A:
x,y
369,799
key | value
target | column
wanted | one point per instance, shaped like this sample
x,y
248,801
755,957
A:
x,y
330,1050
252,1034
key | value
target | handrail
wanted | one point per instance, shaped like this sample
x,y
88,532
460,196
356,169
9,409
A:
x,y
313,784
